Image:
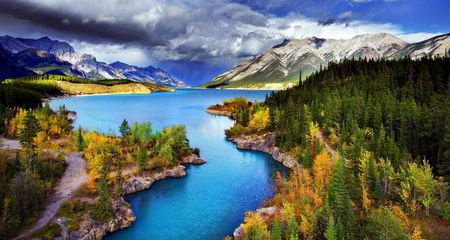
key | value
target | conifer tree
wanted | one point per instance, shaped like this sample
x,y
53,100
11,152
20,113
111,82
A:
x,y
80,139
277,230
330,233
30,129
103,210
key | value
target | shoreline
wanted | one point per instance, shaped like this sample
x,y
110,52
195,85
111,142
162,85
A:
x,y
242,89
219,112
66,95
263,143
124,215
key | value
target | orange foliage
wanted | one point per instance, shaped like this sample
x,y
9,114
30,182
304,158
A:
x,y
322,170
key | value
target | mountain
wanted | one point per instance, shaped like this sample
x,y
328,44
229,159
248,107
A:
x,y
9,68
147,74
279,67
45,55
435,46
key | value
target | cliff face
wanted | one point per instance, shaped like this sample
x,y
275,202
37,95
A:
x,y
265,143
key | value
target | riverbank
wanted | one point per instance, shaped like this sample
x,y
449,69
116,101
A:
x,y
124,216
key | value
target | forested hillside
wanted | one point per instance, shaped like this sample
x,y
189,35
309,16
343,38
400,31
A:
x,y
389,122
399,110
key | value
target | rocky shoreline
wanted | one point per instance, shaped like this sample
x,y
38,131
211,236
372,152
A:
x,y
265,143
218,112
124,216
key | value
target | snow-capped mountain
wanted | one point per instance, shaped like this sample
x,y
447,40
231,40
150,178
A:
x,y
435,46
44,54
147,74
284,62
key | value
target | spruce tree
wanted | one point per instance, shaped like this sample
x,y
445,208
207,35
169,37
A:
x,y
277,230
331,232
292,229
80,139
30,129
103,210
124,130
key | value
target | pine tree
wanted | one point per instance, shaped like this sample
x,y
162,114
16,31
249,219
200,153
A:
x,y
340,201
330,233
80,139
124,130
277,230
29,131
292,229
103,210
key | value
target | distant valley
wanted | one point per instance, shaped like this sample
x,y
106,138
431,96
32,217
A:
x,y
23,57
280,66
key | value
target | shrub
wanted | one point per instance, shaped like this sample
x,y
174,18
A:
x,y
445,211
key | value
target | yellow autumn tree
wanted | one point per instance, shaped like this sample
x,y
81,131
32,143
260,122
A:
x,y
260,120
254,227
322,170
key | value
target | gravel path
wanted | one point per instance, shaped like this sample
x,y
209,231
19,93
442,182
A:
x,y
330,150
11,144
74,176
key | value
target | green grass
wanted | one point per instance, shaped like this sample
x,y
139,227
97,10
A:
x,y
73,211
48,232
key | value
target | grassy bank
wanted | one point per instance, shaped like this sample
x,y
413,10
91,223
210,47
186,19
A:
x,y
53,85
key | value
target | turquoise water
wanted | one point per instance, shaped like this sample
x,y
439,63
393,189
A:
x,y
210,202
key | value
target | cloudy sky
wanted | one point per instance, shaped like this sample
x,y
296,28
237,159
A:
x,y
197,39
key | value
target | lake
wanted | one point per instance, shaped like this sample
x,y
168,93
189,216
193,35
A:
x,y
210,202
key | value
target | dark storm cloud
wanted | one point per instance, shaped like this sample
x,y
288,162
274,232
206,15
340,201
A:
x,y
328,21
92,30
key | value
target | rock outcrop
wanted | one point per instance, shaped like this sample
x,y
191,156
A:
x,y
265,143
192,159
142,182
219,112
263,213
90,230
71,116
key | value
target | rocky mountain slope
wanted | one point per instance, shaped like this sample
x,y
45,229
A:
x,y
280,66
147,74
45,55
435,46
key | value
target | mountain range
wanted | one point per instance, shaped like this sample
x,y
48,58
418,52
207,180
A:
x,y
22,57
281,65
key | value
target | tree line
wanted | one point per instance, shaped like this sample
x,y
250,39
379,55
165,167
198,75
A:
x,y
390,124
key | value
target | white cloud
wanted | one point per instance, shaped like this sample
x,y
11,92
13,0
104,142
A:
x,y
206,30
417,37
115,52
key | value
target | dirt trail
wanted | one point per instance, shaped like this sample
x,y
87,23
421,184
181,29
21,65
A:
x,y
74,176
329,149
10,143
